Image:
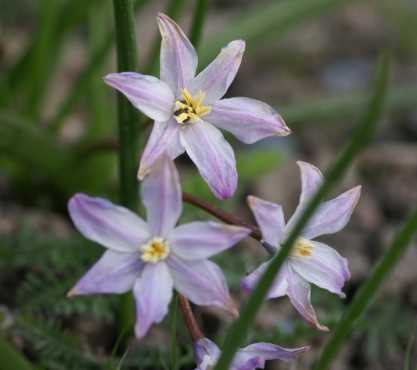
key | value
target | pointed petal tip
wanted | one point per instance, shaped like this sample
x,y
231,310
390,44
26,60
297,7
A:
x,y
304,349
302,164
72,293
357,190
143,172
162,16
110,78
233,310
239,43
320,327
223,194
285,130
252,200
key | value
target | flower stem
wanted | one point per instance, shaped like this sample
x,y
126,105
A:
x,y
190,321
127,115
128,130
221,214
229,219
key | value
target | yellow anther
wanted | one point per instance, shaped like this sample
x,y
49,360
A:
x,y
302,248
155,250
190,109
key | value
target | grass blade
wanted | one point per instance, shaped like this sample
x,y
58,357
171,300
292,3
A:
x,y
11,359
70,15
409,352
346,106
360,139
90,72
173,327
362,299
200,14
262,23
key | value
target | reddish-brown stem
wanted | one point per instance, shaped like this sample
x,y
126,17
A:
x,y
224,216
221,214
190,321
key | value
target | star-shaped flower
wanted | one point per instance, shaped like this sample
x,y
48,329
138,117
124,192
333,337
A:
x,y
250,357
309,261
153,258
188,109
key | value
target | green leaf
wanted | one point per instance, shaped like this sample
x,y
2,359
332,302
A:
x,y
45,47
173,334
260,24
199,18
345,106
363,134
90,72
367,291
408,354
11,359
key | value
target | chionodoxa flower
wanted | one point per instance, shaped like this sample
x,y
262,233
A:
x,y
188,110
309,261
250,357
154,257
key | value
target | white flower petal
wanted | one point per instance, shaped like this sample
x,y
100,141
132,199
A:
x,y
110,225
114,272
201,240
325,268
202,282
153,292
311,180
150,95
216,78
270,219
332,215
164,138
248,119
178,57
213,156
162,197
299,293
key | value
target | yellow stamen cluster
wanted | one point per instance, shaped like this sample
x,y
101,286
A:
x,y
155,250
302,248
190,109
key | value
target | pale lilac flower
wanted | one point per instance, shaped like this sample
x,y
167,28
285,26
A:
x,y
151,258
251,357
309,261
188,109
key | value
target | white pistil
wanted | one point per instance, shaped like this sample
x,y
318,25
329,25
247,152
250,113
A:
x,y
190,109
155,250
302,248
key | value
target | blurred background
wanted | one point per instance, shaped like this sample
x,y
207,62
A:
x,y
311,59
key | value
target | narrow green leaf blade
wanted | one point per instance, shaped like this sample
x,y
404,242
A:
x,y
365,294
359,140
200,14
261,23
11,359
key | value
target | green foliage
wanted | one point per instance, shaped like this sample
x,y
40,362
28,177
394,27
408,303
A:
x,y
364,296
11,359
359,140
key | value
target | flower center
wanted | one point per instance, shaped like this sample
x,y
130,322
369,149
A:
x,y
302,248
155,250
190,109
